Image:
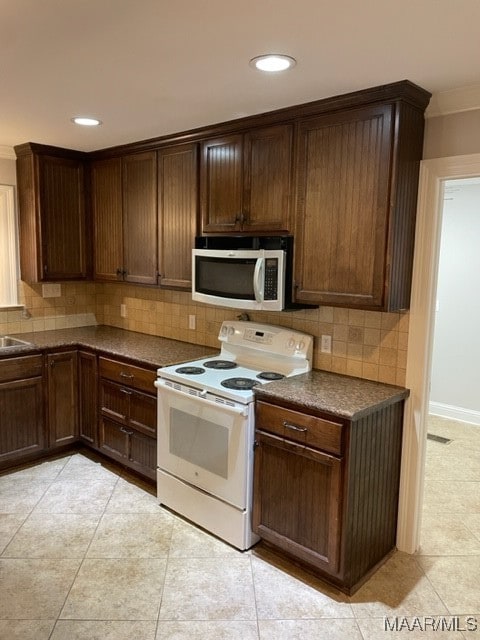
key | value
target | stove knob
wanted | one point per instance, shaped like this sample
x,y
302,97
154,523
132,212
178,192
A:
x,y
203,393
291,343
301,346
231,330
223,330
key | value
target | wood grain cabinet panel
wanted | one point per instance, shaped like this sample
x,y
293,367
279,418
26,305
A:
x,y
337,514
54,230
62,393
106,197
222,184
22,426
177,214
297,500
124,206
354,231
88,397
246,181
140,218
128,415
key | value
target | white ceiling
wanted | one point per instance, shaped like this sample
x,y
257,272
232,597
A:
x,y
152,67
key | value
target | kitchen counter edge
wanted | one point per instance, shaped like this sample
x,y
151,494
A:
x,y
323,391
140,348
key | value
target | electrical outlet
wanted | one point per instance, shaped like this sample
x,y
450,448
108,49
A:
x,y
123,310
51,290
192,322
326,344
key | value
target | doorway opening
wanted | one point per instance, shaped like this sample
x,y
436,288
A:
x,y
434,175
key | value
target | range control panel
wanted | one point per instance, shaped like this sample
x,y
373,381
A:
x,y
267,338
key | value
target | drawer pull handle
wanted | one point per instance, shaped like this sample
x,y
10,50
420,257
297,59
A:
x,y
289,425
126,392
127,431
129,376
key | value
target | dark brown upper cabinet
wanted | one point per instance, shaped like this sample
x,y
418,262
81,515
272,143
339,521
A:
x,y
140,217
124,205
54,233
106,190
177,213
356,203
245,181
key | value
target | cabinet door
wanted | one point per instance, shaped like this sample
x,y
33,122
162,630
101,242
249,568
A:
x,y
106,178
114,401
113,439
142,454
344,167
268,168
87,397
221,184
140,217
296,502
62,214
143,413
62,398
21,418
177,212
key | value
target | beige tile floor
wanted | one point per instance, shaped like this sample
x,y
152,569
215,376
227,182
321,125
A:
x,y
86,553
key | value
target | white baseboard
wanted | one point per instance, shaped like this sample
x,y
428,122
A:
x,y
455,413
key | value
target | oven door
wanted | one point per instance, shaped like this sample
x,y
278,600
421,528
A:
x,y
205,444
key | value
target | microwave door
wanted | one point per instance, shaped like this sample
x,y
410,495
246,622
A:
x,y
258,280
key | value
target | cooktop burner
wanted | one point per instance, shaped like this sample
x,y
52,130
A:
x,y
270,375
220,364
190,371
242,384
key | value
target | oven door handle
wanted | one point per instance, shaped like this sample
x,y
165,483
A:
x,y
241,411
258,278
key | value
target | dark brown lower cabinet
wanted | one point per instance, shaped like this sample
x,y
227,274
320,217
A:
x,y
62,394
22,431
87,397
128,417
326,488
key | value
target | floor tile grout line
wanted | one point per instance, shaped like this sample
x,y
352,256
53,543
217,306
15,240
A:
x,y
254,595
83,559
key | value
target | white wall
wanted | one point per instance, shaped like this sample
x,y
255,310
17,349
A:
x,y
455,383
7,171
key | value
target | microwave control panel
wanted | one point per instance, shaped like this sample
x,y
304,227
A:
x,y
270,291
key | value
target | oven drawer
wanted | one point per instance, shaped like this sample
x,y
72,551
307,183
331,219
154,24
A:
x,y
127,374
309,430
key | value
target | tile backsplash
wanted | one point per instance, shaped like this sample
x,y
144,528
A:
x,y
367,344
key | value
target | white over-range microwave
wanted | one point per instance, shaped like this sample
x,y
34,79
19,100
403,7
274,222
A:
x,y
244,272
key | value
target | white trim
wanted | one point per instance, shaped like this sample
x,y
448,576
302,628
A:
x,y
7,153
433,173
454,413
8,247
454,101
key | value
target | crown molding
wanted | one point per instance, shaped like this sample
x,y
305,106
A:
x,y
454,101
7,153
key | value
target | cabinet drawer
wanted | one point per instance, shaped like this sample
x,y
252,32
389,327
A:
x,y
300,427
127,374
20,368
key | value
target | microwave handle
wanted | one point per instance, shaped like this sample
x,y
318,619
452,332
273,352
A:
x,y
258,278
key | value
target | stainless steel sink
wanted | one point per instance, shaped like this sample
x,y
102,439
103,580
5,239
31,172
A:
x,y
7,342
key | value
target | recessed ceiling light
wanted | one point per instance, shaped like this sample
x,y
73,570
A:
x,y
86,122
273,62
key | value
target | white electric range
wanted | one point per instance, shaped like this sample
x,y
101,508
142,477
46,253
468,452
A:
x,y
206,425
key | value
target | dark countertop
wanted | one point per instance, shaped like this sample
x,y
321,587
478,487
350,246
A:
x,y
139,347
333,393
